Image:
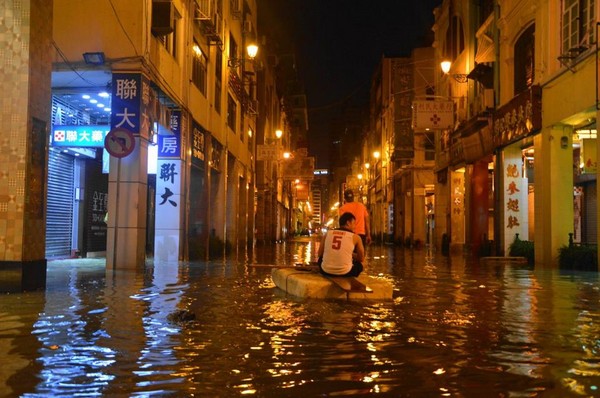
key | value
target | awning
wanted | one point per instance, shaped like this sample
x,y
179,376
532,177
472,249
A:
x,y
485,50
483,74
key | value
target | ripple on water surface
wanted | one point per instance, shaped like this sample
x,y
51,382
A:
x,y
223,329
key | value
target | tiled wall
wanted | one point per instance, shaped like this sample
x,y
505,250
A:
x,y
25,66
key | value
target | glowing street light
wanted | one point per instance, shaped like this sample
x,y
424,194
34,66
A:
x,y
252,50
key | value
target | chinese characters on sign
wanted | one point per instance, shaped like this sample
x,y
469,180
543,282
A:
x,y
168,192
198,145
169,142
168,208
512,205
519,118
515,197
90,136
433,115
268,152
126,101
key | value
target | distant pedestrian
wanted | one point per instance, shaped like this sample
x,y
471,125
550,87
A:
x,y
363,229
341,250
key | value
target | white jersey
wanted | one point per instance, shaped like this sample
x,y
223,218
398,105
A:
x,y
337,254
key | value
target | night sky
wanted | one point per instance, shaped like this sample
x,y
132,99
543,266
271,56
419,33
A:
x,y
338,44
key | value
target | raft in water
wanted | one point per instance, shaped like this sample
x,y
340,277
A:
x,y
314,285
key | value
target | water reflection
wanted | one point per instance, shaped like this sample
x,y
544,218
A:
x,y
454,328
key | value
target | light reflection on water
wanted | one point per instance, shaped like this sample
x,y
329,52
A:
x,y
454,328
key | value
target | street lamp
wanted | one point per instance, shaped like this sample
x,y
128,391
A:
x,y
251,52
459,77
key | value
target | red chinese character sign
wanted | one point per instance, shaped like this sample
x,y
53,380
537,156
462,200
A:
x,y
515,197
432,115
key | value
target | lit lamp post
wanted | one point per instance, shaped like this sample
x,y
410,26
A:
x,y
377,156
459,77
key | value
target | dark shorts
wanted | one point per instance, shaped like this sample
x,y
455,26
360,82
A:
x,y
357,268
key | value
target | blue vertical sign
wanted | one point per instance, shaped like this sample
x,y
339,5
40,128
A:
x,y
169,145
125,106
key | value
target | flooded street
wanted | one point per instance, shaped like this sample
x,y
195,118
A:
x,y
454,328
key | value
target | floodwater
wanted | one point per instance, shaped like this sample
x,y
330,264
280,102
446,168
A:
x,y
455,328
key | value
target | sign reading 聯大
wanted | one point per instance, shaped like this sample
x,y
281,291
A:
x,y
127,92
91,136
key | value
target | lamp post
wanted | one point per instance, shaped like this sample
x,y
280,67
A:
x,y
381,207
459,77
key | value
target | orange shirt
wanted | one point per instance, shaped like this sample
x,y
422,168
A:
x,y
360,212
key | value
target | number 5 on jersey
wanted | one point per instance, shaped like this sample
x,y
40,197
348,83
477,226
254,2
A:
x,y
336,242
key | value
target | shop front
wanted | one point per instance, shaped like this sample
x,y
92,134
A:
x,y
80,163
515,125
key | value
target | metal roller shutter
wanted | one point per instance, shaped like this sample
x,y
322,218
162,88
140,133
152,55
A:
x,y
59,216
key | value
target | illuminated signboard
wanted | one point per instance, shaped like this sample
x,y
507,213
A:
x,y
91,136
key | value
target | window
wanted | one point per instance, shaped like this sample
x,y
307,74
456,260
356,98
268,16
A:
x,y
455,38
199,68
218,77
578,20
429,146
170,41
233,48
486,8
524,60
231,112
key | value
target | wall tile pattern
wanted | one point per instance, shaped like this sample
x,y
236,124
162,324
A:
x,y
25,71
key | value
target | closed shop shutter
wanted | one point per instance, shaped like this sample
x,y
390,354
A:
x,y
59,217
591,211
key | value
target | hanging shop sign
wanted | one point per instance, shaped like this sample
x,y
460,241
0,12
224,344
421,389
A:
x,y
90,136
432,115
198,138
169,142
302,168
268,152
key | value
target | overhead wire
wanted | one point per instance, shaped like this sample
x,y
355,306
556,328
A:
x,y
122,27
70,65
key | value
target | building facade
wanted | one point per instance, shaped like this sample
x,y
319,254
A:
x,y
521,157
398,158
148,149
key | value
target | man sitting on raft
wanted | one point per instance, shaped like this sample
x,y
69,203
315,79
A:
x,y
341,251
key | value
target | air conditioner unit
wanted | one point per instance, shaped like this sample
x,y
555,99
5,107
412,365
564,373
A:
x,y
163,18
